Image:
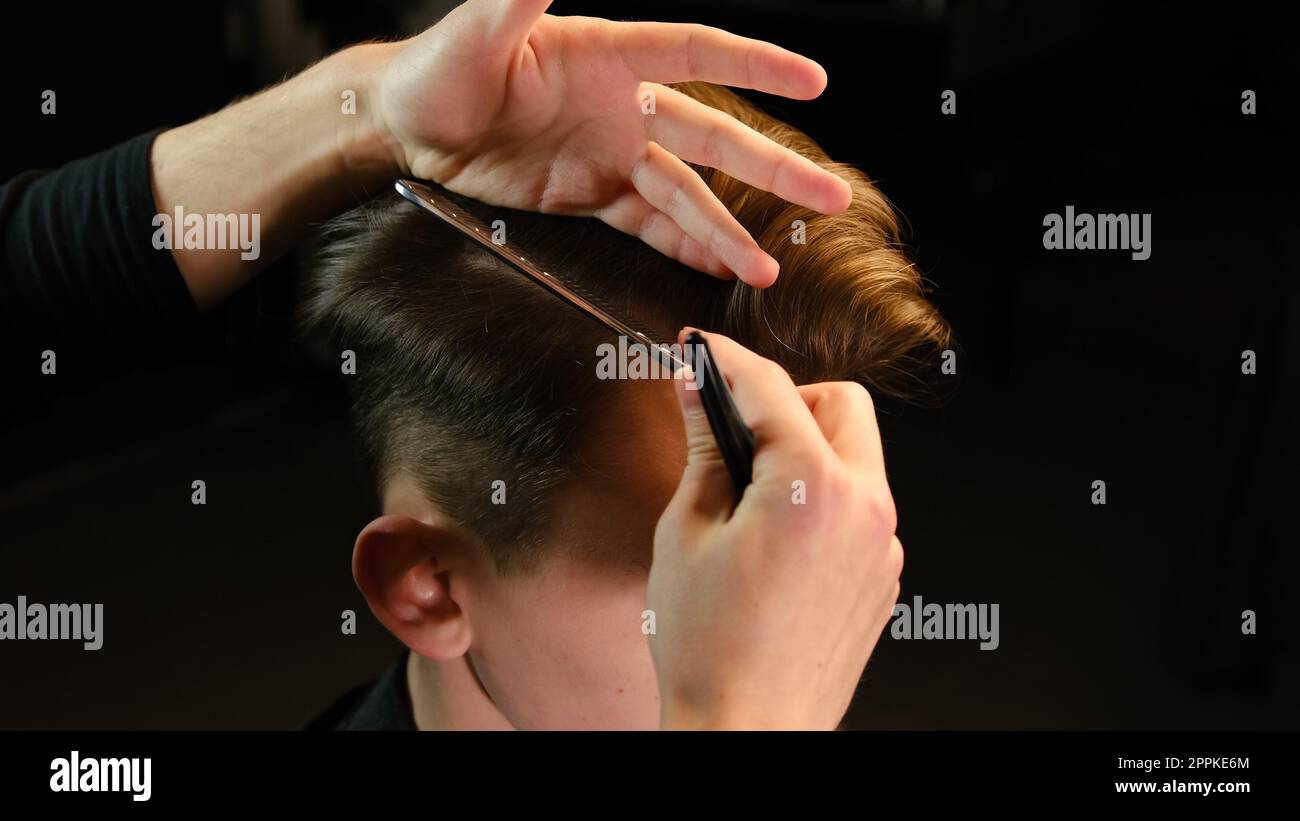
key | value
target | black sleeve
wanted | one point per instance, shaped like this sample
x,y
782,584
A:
x,y
77,262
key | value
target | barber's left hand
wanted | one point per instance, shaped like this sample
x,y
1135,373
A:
x,y
504,103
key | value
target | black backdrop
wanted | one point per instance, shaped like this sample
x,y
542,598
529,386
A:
x,y
1074,367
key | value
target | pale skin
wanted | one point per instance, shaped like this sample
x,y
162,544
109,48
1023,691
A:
x,y
766,614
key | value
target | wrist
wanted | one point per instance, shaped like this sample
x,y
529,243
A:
x,y
366,149
735,707
682,712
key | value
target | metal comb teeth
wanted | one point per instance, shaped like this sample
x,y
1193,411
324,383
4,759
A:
x,y
577,296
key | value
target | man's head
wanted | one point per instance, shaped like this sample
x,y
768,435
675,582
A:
x,y
521,491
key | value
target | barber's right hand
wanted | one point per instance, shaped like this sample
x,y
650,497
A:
x,y
767,610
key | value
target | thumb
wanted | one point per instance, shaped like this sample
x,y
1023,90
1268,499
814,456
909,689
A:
x,y
706,485
508,22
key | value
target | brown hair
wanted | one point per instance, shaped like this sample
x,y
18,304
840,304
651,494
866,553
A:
x,y
468,373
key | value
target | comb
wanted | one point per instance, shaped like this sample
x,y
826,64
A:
x,y
472,226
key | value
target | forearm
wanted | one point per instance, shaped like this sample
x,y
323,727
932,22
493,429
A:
x,y
293,154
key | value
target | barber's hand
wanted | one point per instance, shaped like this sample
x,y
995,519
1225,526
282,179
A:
x,y
512,106
766,611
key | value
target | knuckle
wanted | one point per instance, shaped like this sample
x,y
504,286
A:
x,y
636,174
717,241
772,370
882,515
689,54
711,142
895,558
775,171
649,223
829,482
687,247
853,394
675,201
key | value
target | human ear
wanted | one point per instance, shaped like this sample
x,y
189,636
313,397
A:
x,y
405,568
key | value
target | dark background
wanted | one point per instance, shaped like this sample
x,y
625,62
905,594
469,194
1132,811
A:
x,y
1073,367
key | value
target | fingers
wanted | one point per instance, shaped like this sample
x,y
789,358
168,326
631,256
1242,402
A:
x,y
770,405
672,187
632,214
680,52
847,418
701,134
785,435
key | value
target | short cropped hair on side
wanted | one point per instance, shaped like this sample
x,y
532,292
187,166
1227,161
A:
x,y
468,373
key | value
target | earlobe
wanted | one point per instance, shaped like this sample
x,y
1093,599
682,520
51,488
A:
x,y
404,567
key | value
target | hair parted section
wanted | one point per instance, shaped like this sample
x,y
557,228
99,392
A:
x,y
849,303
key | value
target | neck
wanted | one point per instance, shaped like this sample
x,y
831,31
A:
x,y
447,695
